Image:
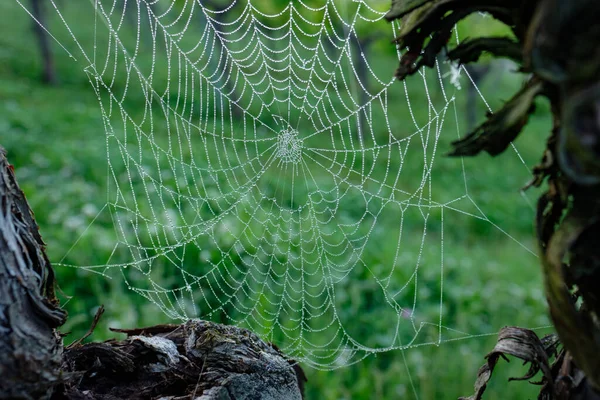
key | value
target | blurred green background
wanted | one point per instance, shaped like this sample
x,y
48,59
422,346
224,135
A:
x,y
54,135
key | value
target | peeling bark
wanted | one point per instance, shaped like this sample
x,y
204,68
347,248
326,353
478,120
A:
x,y
198,359
30,346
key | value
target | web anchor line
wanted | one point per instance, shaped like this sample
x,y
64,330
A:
x,y
264,173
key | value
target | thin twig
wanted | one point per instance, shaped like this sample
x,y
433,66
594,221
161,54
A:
x,y
199,376
91,330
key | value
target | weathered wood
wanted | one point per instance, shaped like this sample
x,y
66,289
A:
x,y
198,359
30,346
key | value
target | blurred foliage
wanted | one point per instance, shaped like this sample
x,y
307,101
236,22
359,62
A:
x,y
55,138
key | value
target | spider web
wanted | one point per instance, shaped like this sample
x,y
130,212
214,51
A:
x,y
273,168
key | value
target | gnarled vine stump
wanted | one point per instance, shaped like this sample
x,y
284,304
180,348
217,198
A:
x,y
30,346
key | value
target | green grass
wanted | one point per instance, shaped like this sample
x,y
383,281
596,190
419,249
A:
x,y
56,140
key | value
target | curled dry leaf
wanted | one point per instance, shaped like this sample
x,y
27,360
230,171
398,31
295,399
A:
x,y
501,47
521,343
501,128
426,28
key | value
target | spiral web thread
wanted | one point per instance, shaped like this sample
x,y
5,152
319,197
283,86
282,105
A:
x,y
246,183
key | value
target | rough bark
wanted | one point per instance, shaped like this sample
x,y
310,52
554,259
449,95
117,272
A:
x,y
30,346
195,360
199,359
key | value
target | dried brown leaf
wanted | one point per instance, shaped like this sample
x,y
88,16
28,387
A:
x,y
426,29
499,47
501,128
521,343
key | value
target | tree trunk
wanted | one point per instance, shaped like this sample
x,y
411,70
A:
x,y
195,360
49,74
30,345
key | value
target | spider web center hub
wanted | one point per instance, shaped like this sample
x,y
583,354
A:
x,y
289,146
